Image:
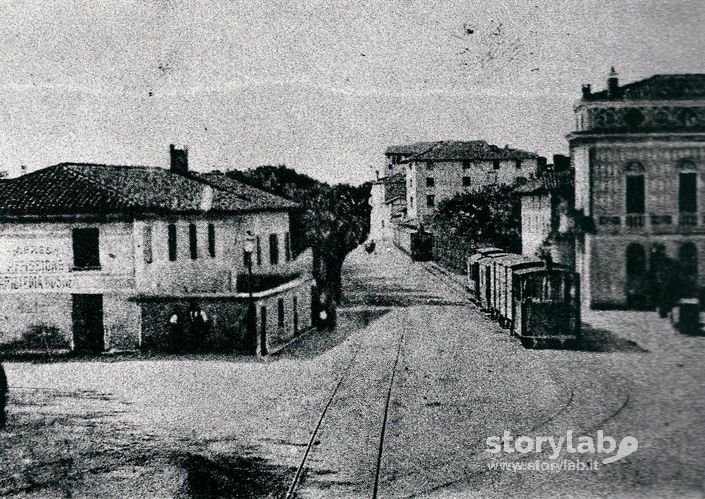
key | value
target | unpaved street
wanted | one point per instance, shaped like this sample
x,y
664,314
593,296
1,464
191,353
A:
x,y
184,426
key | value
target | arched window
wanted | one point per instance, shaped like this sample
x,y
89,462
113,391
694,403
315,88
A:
x,y
687,165
637,282
633,168
636,260
635,188
687,187
688,262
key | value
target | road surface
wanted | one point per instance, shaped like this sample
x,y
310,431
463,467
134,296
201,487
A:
x,y
412,363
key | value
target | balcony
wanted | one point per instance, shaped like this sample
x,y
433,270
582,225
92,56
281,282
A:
x,y
688,219
653,223
635,221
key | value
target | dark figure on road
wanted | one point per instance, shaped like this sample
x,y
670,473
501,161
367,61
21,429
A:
x,y
664,280
3,397
198,328
370,247
176,332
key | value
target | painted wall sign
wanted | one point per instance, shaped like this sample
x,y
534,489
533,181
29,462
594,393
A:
x,y
35,282
34,266
21,257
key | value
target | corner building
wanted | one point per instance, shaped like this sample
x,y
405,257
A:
x,y
639,156
106,258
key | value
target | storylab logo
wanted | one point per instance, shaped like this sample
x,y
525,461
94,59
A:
x,y
553,447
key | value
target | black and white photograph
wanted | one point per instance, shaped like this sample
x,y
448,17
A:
x,y
300,249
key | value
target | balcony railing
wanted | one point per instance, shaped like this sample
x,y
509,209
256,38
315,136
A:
x,y
688,219
652,223
635,221
661,219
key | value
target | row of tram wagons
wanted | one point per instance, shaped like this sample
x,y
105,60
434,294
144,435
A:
x,y
539,302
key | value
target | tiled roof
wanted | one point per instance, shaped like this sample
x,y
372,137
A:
x,y
409,149
74,188
562,183
660,87
455,150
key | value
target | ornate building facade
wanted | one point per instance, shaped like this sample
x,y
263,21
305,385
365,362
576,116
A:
x,y
638,151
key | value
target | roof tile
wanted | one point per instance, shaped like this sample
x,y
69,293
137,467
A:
x,y
73,188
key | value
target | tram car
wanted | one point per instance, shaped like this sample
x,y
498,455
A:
x,y
503,289
538,301
546,306
484,280
473,271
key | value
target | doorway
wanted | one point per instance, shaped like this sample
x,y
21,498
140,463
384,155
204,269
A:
x,y
688,260
87,318
637,283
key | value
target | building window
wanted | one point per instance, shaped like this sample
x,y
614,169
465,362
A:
x,y
429,165
280,313
211,240
430,200
466,165
273,249
430,182
466,182
517,163
287,247
495,164
147,243
263,321
688,264
193,241
171,229
258,243
688,192
411,202
635,194
636,261
296,314
86,249
246,258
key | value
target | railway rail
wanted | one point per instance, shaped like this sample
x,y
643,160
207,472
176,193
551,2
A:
x,y
301,469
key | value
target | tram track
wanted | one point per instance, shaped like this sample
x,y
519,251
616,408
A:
x,y
313,442
300,469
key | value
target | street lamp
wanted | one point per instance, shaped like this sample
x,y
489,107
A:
x,y
249,248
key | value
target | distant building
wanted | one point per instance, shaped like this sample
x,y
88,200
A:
x,y
546,222
388,193
639,156
446,168
396,156
388,202
103,257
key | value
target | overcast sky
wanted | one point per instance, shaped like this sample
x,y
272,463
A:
x,y
323,86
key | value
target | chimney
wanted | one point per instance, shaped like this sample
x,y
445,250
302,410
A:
x,y
179,159
587,91
561,162
541,165
613,84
